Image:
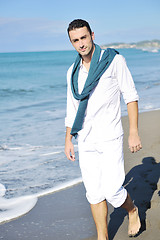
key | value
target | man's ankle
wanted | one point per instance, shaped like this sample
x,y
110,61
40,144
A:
x,y
133,210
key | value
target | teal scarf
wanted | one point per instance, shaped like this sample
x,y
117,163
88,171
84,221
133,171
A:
x,y
97,68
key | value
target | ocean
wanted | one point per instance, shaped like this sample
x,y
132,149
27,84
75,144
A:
x,y
32,131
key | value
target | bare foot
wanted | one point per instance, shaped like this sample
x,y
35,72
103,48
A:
x,y
134,223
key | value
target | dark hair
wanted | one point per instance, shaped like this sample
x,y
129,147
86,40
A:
x,y
78,23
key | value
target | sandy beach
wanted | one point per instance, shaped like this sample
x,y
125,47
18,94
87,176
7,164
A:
x,y
66,214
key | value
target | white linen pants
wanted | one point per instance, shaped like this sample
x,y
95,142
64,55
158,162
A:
x,y
102,168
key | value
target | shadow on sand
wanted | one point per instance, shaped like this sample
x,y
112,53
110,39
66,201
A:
x,y
141,183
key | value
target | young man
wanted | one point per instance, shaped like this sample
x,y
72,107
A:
x,y
95,82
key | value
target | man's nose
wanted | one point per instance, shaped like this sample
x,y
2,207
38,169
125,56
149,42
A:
x,y
81,44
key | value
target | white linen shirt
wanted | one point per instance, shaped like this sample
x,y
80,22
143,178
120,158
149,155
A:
x,y
102,120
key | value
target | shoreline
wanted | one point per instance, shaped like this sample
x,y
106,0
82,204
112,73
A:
x,y
65,214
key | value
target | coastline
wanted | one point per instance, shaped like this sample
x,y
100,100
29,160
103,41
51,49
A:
x,y
153,45
66,214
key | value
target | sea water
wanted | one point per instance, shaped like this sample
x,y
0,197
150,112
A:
x,y
32,131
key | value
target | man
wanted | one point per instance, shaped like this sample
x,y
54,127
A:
x,y
95,82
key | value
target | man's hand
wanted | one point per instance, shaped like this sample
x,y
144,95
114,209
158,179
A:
x,y
69,150
134,143
69,147
134,139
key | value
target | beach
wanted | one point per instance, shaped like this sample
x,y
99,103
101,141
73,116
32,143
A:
x,y
66,214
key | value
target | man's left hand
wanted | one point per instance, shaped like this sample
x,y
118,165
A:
x,y
134,143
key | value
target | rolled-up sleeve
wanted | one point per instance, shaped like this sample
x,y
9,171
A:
x,y
72,103
125,81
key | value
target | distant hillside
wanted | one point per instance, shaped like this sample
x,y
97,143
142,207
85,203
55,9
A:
x,y
153,45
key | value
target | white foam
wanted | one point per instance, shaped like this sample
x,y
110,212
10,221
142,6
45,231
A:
x,y
2,190
51,153
15,148
153,50
59,187
149,106
3,147
16,207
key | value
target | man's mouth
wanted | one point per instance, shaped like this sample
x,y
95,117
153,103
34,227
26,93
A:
x,y
83,49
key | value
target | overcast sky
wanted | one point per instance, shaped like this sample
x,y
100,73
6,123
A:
x,y
40,25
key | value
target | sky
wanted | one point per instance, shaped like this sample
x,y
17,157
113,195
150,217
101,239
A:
x,y
40,25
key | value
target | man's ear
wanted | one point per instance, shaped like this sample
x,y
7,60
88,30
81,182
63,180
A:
x,y
92,35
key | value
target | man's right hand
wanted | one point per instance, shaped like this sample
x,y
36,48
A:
x,y
69,147
69,150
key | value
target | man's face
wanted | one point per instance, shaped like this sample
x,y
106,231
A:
x,y
82,40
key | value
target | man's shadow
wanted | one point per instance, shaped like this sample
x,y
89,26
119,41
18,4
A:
x,y
141,183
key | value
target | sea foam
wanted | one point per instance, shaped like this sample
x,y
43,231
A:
x,y
16,207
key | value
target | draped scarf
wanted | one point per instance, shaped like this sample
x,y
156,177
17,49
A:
x,y
97,68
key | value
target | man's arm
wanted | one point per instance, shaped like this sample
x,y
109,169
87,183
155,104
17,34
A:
x,y
70,116
134,139
69,147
